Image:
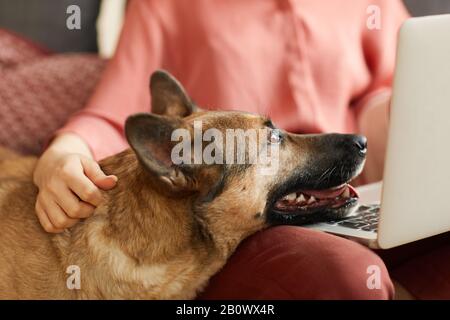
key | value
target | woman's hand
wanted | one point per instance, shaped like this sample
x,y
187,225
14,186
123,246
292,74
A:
x,y
373,122
68,179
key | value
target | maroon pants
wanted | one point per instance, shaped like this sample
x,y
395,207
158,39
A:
x,y
298,263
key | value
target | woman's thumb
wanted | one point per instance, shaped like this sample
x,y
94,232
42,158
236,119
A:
x,y
93,171
107,182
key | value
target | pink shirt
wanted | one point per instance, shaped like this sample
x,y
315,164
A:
x,y
310,65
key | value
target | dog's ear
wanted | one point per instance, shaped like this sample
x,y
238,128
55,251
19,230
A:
x,y
168,96
149,135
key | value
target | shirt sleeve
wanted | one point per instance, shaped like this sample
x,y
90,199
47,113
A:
x,y
379,44
123,88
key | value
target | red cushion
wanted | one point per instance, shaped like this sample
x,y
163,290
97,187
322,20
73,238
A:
x,y
15,49
38,91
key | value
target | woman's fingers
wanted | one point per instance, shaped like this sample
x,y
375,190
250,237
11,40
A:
x,y
57,217
72,206
68,180
69,189
44,220
106,183
73,176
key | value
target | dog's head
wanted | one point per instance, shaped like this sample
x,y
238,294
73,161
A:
x,y
240,169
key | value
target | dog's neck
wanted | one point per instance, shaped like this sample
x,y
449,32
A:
x,y
148,208
143,221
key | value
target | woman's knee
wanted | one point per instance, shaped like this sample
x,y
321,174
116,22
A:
x,y
297,263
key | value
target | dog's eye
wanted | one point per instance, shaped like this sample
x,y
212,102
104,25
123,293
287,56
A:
x,y
275,136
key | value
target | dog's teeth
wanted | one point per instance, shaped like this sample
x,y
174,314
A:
x,y
346,193
301,198
311,200
290,197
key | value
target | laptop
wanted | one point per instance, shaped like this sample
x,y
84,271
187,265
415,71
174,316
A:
x,y
415,196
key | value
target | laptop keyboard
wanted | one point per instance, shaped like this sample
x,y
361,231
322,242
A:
x,y
364,218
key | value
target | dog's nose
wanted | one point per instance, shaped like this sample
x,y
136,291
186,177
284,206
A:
x,y
361,143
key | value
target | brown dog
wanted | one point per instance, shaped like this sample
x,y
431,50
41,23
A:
x,y
167,228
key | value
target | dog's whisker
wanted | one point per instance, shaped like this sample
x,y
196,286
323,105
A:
x,y
321,178
330,173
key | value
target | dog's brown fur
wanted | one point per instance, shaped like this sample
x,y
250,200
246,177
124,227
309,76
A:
x,y
162,232
138,245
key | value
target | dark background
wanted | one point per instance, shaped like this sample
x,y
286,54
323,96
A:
x,y
45,20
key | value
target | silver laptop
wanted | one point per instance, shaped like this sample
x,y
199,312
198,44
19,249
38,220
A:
x,y
415,198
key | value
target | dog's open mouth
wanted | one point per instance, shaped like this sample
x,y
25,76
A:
x,y
304,206
312,199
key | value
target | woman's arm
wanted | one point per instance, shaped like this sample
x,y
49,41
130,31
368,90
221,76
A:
x,y
372,109
67,174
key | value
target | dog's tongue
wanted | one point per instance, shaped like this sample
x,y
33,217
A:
x,y
333,193
353,190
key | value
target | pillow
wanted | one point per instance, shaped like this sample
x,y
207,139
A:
x,y
39,92
14,50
